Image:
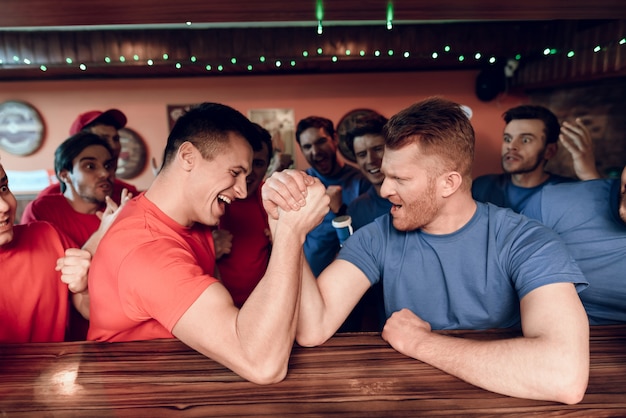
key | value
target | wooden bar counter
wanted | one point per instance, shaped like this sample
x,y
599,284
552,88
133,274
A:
x,y
352,375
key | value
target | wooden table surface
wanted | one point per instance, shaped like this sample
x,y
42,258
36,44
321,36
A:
x,y
352,375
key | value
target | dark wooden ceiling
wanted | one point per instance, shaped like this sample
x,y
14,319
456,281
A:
x,y
150,38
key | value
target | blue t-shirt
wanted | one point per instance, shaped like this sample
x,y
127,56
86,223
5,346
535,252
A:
x,y
500,190
586,216
473,278
367,207
321,244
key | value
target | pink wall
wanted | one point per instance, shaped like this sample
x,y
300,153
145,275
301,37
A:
x,y
144,102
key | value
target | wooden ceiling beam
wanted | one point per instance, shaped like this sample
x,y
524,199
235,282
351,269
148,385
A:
x,y
64,13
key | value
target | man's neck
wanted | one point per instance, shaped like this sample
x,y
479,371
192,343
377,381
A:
x,y
531,179
456,212
79,204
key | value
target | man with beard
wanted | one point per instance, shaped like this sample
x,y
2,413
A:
x,y
106,125
590,217
318,142
449,262
84,165
531,138
152,276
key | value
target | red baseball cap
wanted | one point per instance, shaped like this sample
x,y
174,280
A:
x,y
111,117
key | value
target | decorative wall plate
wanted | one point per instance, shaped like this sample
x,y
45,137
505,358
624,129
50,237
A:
x,y
21,128
133,156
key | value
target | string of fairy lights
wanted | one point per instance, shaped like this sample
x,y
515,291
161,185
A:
x,y
250,64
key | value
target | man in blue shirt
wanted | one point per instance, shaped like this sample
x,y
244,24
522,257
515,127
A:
x,y
318,142
590,217
365,144
449,262
531,137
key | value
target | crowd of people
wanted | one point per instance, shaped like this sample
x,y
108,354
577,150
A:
x,y
239,263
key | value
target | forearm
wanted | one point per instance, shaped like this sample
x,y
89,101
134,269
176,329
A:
x,y
266,323
310,331
81,303
92,243
542,368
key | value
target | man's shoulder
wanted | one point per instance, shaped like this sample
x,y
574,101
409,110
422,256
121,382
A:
x,y
490,179
48,201
120,184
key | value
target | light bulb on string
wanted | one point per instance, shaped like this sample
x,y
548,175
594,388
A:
x,y
319,15
389,15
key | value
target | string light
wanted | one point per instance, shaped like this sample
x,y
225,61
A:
x,y
319,15
389,15
332,54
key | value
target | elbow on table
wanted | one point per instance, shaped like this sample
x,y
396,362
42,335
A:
x,y
268,374
572,386
309,339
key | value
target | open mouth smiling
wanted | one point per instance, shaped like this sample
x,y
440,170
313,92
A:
x,y
224,199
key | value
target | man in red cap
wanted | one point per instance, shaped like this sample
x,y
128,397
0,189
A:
x,y
106,125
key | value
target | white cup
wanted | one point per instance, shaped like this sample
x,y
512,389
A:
x,y
343,226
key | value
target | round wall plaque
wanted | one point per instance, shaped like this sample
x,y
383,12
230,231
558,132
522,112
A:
x,y
21,128
133,155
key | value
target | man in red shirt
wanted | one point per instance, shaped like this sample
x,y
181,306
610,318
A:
x,y
39,266
106,125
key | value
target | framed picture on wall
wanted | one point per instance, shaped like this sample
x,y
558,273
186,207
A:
x,y
281,125
176,111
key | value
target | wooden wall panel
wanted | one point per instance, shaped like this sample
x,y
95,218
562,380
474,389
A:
x,y
502,40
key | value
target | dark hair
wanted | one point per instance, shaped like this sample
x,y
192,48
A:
x,y
441,128
315,122
550,121
364,124
265,138
69,149
207,126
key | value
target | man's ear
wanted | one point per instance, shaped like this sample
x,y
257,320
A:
x,y
451,182
64,175
186,155
551,150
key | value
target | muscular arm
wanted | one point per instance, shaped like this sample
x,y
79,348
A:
x,y
256,341
328,300
550,361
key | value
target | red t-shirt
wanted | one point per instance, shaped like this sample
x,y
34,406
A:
x,y
33,300
118,186
56,209
147,272
242,269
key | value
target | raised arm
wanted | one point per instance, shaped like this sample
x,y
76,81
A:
x,y
256,340
576,139
328,300
106,220
550,362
